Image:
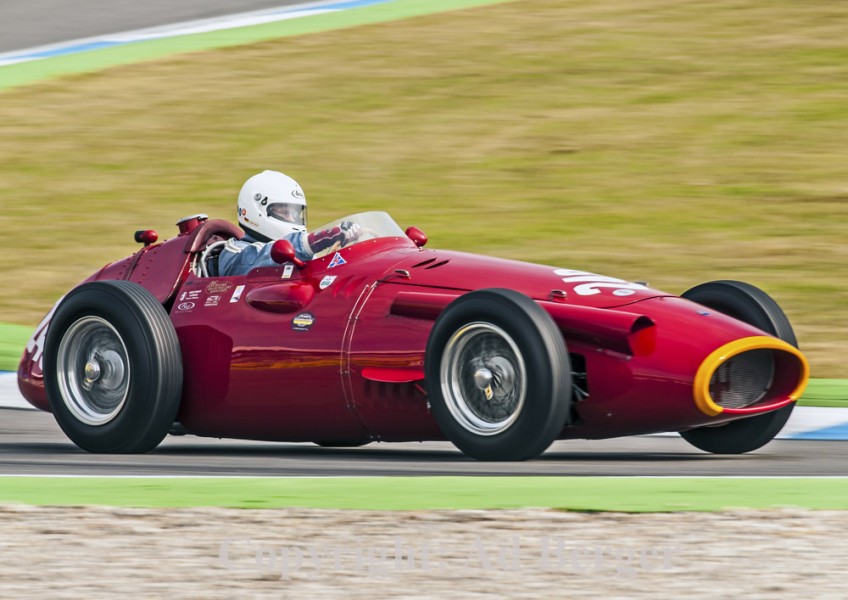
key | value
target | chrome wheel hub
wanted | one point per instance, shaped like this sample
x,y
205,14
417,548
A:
x,y
483,378
93,371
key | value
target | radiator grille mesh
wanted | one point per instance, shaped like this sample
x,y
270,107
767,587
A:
x,y
743,380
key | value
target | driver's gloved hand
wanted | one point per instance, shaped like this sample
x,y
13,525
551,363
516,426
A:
x,y
350,230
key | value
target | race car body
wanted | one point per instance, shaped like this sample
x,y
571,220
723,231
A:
x,y
385,340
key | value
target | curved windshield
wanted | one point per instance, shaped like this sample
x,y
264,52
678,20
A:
x,y
371,225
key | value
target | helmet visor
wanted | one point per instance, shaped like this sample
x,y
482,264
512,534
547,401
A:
x,y
288,212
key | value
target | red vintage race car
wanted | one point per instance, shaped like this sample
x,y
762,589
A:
x,y
384,340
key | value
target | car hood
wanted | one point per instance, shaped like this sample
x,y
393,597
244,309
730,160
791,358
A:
x,y
463,271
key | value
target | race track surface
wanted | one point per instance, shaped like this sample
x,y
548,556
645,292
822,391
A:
x,y
29,23
32,443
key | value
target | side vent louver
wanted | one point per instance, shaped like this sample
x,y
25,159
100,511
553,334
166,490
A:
x,y
426,262
438,264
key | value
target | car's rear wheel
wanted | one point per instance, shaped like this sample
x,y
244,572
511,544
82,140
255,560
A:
x,y
498,375
113,368
751,305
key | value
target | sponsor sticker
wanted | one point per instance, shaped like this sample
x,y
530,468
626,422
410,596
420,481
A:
x,y
303,321
623,292
327,281
237,294
337,260
190,295
287,271
219,287
185,306
212,300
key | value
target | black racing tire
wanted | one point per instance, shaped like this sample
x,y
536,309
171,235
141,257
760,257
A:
x,y
751,305
113,368
498,375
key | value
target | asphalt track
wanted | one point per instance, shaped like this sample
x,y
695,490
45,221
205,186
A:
x,y
32,443
29,23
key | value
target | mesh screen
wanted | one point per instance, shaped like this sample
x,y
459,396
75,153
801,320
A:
x,y
743,380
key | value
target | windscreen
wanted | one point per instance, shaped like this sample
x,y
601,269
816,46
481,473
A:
x,y
371,225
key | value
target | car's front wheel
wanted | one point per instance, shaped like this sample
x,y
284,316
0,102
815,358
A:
x,y
751,305
113,368
498,375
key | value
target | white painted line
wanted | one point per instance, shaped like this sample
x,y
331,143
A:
x,y
10,395
807,420
259,17
412,476
804,423
261,477
809,423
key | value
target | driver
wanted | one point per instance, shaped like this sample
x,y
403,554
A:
x,y
272,206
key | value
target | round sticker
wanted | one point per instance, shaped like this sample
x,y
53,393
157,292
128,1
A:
x,y
303,322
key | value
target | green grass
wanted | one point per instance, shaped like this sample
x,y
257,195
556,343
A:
x,y
13,339
826,392
673,142
31,72
420,493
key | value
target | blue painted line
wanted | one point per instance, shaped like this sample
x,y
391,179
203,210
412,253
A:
x,y
352,4
69,50
174,30
833,433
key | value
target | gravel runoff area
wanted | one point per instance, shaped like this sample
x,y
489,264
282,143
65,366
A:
x,y
99,552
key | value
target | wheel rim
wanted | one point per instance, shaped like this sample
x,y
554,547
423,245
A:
x,y
483,378
93,371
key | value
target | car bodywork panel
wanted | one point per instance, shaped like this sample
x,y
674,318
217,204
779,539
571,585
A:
x,y
335,351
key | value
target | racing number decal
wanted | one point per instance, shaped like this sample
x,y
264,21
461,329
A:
x,y
589,284
35,345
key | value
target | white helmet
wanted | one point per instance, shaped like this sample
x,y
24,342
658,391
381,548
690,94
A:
x,y
271,206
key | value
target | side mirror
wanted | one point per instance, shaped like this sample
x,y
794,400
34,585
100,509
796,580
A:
x,y
145,236
418,237
282,252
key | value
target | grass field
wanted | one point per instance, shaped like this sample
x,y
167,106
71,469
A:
x,y
673,142
636,494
